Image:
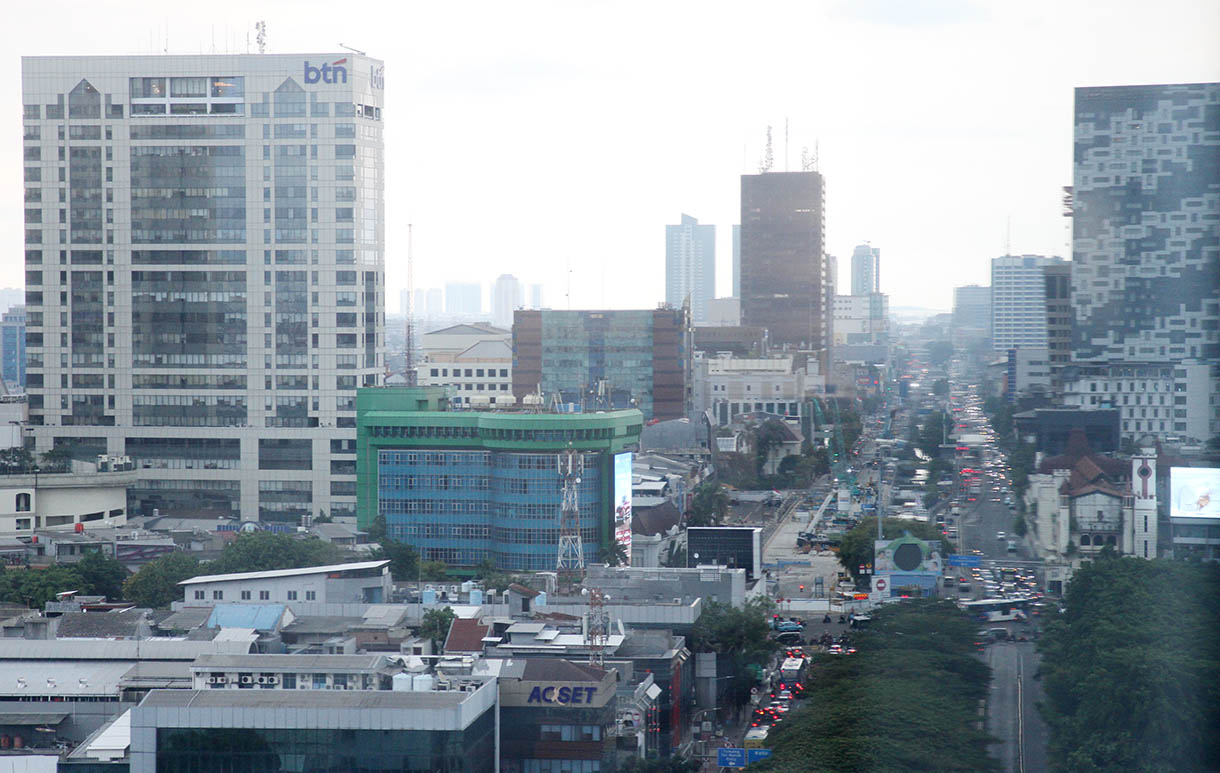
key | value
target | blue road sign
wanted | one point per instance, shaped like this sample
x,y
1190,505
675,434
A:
x,y
754,755
731,757
967,561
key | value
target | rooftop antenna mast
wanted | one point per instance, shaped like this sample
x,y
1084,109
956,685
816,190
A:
x,y
356,51
597,625
409,371
261,37
570,563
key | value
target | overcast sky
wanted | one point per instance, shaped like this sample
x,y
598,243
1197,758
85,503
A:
x,y
541,138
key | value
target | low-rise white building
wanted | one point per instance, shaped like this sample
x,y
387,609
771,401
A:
x,y
730,386
1162,401
366,582
475,361
861,319
87,497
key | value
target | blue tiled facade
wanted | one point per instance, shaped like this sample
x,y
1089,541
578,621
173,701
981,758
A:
x,y
462,507
12,346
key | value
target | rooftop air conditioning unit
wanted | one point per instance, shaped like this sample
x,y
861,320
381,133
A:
x,y
222,680
247,680
261,680
273,680
211,680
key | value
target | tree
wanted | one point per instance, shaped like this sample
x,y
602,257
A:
x,y
16,459
156,583
939,353
916,659
614,554
260,551
434,570
675,556
1129,669
932,434
377,529
404,558
57,458
35,587
709,504
101,575
435,626
742,634
940,387
1019,527
857,545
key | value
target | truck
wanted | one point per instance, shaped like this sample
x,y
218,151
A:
x,y
756,738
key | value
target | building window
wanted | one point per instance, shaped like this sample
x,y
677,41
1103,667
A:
x,y
199,595
23,503
245,595
311,595
264,595
218,595
292,595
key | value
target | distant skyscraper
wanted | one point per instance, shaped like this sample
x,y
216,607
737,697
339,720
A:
x,y
535,296
464,298
506,297
972,307
12,345
783,261
865,270
690,265
433,302
736,261
1145,258
199,308
1058,293
1018,301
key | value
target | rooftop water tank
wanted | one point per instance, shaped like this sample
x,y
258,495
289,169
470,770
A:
x,y
401,682
476,597
423,683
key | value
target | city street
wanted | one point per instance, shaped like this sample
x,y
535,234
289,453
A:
x,y
1012,713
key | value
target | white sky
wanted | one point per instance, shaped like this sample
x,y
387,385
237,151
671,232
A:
x,y
532,138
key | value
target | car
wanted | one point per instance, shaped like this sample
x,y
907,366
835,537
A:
x,y
788,638
1000,535
784,695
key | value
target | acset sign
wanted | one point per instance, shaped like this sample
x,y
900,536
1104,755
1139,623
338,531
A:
x,y
564,695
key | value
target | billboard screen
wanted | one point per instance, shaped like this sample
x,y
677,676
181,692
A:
x,y
622,503
1194,492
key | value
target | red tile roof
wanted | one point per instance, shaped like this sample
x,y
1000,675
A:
x,y
465,635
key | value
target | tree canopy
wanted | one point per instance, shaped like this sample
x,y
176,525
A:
x,y
740,635
260,551
1131,669
156,583
708,505
906,701
435,625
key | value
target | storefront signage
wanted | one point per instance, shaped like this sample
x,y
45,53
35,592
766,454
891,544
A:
x,y
571,696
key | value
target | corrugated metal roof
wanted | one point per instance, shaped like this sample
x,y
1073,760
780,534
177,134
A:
x,y
285,572
304,699
259,617
118,649
61,678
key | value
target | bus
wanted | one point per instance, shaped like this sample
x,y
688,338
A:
x,y
999,610
792,674
756,738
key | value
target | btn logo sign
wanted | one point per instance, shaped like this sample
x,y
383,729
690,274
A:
x,y
566,695
327,73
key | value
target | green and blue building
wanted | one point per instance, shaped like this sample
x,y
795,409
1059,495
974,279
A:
x,y
465,486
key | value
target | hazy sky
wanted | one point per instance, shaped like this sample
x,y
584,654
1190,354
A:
x,y
536,138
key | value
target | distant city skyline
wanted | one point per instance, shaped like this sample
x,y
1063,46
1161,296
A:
x,y
952,172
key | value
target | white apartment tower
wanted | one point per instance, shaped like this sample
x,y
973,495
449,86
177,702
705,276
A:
x,y
205,264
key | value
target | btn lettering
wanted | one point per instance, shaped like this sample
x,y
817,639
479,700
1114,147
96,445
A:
x,y
327,73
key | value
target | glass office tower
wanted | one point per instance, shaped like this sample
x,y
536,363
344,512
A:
x,y
205,272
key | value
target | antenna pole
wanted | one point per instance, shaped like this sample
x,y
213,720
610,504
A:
x,y
408,365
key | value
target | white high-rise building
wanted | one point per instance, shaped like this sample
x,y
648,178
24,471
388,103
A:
x,y
205,264
1018,301
690,266
507,295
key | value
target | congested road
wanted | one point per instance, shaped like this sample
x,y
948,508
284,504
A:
x,y
1012,707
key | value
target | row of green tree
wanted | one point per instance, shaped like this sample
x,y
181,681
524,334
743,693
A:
x,y
906,701
1131,669
740,636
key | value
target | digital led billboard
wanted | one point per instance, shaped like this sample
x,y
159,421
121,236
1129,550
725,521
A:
x,y
1194,492
622,503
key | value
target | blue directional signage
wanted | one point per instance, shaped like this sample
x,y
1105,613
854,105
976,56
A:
x,y
972,562
731,757
754,755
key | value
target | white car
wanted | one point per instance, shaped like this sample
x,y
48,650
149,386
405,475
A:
x,y
1000,535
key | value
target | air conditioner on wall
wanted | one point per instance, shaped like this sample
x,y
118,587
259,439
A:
x,y
247,680
273,680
